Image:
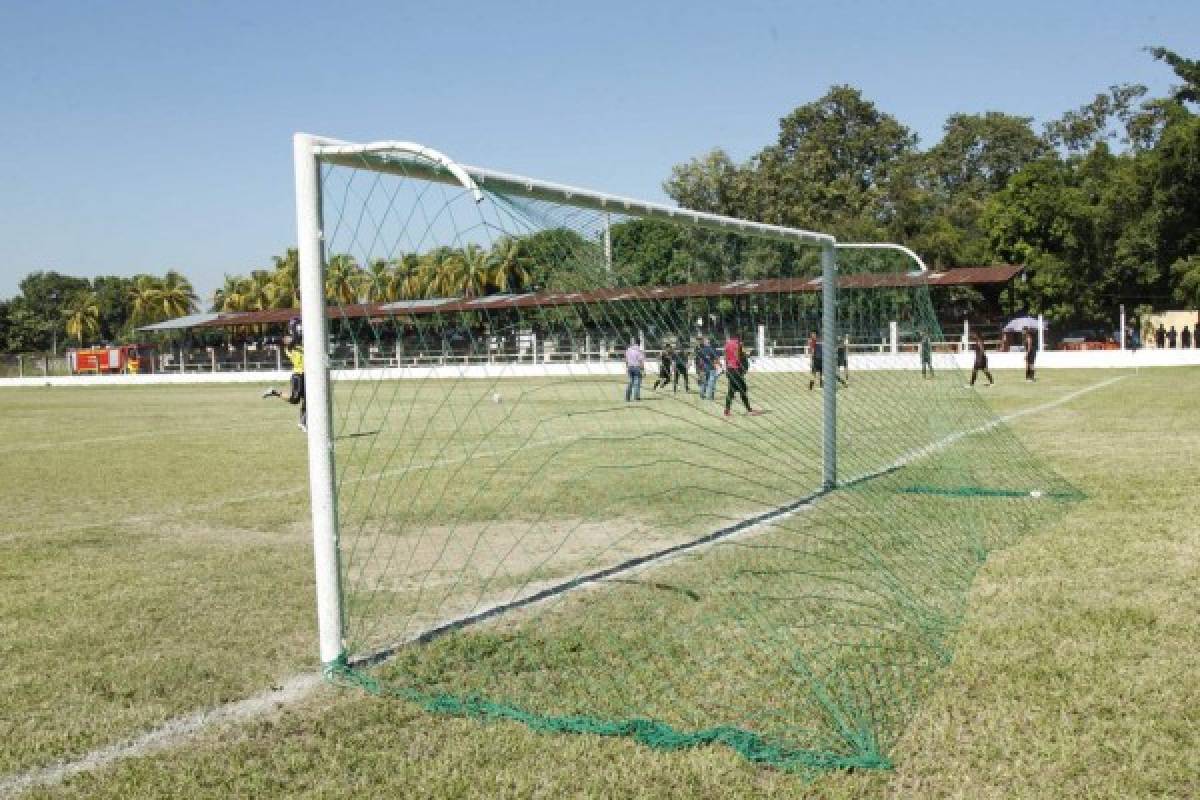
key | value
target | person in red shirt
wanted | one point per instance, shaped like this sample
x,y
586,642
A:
x,y
736,364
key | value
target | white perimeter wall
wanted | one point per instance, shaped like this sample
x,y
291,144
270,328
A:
x,y
1053,359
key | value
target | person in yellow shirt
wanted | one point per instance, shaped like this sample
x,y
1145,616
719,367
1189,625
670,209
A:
x,y
295,354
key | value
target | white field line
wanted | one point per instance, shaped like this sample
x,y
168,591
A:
x,y
185,728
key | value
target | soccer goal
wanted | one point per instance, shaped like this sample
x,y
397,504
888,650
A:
x,y
603,466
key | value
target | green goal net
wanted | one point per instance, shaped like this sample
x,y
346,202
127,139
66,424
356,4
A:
x,y
525,535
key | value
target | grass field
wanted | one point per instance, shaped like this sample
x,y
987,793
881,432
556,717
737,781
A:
x,y
155,560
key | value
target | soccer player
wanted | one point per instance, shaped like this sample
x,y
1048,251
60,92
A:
x,y
1031,350
926,355
706,358
843,360
635,365
681,371
816,359
736,365
816,362
295,354
665,362
981,362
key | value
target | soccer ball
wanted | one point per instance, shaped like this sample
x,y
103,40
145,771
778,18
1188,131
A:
x,y
496,398
1036,493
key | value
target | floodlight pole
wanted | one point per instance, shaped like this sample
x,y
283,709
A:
x,y
317,388
829,335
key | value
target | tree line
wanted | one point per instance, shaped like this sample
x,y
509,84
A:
x,y
1102,207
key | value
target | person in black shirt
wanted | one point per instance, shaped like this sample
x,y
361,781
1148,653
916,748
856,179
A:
x,y
981,362
1185,338
1031,351
1160,337
1171,337
666,361
681,371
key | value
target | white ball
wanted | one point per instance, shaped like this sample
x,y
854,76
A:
x,y
496,398
1036,493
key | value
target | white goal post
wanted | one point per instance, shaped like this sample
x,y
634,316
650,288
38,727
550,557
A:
x,y
409,159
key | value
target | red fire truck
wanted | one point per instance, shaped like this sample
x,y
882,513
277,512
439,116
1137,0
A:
x,y
114,360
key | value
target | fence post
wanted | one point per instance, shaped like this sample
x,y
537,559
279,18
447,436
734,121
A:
x,y
20,366
45,366
894,336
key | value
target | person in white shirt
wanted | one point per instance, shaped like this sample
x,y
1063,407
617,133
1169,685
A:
x,y
635,365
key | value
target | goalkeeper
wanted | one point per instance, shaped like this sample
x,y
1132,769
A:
x,y
295,354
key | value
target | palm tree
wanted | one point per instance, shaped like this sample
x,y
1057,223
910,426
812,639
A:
x,y
176,296
377,282
444,272
144,299
83,316
341,279
230,297
509,265
412,277
286,279
476,271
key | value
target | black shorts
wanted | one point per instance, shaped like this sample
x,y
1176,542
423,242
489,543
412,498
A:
x,y
297,388
817,365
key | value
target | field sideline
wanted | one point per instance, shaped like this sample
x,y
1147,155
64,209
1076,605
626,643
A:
x,y
155,560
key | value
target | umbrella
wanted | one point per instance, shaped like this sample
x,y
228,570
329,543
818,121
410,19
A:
x,y
1021,323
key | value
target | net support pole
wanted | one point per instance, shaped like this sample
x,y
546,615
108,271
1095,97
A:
x,y
829,366
320,418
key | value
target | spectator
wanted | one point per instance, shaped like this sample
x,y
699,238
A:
x,y
635,365
1185,338
1172,337
1160,337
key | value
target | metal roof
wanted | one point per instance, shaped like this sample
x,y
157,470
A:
x,y
959,276
190,321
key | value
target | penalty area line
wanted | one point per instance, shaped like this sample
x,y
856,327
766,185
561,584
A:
x,y
181,729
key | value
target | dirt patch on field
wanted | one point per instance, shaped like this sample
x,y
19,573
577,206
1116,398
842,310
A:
x,y
428,575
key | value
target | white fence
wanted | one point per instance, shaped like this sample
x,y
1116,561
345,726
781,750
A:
x,y
859,361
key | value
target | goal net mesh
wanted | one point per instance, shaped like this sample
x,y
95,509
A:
x,y
523,539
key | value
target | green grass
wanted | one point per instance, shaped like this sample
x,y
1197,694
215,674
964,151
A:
x,y
155,560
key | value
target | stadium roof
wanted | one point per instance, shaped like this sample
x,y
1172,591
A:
x,y
960,276
179,323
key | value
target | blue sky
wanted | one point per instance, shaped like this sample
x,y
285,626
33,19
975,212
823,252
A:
x,y
140,136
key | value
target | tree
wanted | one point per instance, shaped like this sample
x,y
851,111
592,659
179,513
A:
x,y
1187,69
342,279
509,265
112,296
1186,272
176,297
144,300
830,166
711,183
82,316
